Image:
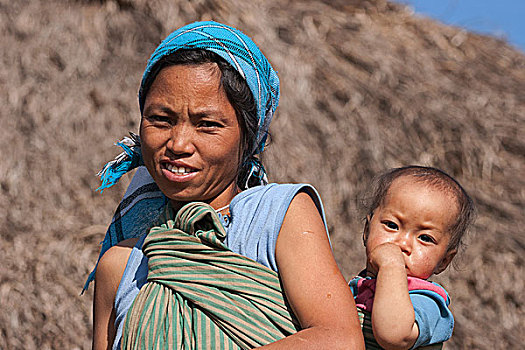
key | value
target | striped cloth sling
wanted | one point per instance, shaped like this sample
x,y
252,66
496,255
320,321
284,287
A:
x,y
201,295
365,318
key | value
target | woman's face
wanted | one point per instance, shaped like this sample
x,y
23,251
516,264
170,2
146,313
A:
x,y
190,135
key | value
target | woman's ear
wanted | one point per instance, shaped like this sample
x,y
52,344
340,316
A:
x,y
445,261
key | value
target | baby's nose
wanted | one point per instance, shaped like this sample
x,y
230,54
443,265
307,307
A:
x,y
404,242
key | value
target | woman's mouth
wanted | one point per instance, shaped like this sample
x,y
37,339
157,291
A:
x,y
175,173
178,170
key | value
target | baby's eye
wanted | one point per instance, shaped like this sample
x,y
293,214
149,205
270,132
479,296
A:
x,y
427,239
391,225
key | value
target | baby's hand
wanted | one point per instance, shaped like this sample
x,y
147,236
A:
x,y
386,254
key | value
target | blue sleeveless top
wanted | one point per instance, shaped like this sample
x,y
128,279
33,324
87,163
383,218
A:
x,y
256,216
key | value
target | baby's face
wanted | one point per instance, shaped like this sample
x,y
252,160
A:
x,y
417,218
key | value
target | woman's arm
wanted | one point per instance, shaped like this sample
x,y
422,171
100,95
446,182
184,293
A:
x,y
393,318
107,279
314,286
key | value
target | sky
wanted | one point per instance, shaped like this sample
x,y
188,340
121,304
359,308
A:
x,y
501,18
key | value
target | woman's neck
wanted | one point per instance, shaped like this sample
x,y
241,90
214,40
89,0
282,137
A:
x,y
220,203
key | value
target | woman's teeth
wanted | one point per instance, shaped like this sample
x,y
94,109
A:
x,y
178,170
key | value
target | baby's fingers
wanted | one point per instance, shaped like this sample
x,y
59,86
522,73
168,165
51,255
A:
x,y
386,254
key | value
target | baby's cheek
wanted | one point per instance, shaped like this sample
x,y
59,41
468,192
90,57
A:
x,y
426,267
376,240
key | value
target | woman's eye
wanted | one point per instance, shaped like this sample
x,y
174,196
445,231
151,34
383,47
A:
x,y
391,225
158,119
209,124
427,239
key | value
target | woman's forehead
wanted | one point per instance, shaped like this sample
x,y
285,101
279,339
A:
x,y
202,74
196,85
187,77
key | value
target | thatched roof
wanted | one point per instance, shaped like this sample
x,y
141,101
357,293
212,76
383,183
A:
x,y
366,85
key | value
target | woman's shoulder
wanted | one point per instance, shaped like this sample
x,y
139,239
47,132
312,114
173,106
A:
x,y
112,264
123,247
273,200
274,191
256,216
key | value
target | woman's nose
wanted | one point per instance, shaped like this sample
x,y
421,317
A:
x,y
181,140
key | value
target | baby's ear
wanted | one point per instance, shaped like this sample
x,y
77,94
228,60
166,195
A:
x,y
445,261
366,229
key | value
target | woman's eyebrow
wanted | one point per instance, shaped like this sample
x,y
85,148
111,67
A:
x,y
211,112
158,108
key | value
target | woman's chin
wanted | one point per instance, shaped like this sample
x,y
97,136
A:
x,y
182,197
179,188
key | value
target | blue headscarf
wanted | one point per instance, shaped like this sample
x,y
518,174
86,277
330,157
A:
x,y
243,55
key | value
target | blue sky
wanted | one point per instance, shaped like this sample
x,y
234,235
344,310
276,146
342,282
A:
x,y
501,18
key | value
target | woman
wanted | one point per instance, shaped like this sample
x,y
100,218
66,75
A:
x,y
207,98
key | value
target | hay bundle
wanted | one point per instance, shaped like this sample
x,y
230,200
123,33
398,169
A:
x,y
366,85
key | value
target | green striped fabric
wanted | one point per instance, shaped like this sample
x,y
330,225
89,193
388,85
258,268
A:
x,y
365,318
201,295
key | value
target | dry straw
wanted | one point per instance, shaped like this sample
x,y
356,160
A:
x,y
366,86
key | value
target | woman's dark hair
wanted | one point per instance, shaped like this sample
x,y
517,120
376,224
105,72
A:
x,y
238,93
432,177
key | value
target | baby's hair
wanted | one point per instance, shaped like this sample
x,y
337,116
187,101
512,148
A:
x,y
435,178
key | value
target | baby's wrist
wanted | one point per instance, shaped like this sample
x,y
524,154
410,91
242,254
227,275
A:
x,y
392,266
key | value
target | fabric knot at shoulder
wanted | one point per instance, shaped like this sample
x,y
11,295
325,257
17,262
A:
x,y
197,222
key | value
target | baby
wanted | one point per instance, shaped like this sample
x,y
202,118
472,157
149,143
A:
x,y
414,226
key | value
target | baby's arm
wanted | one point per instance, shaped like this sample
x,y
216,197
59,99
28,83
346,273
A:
x,y
393,319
